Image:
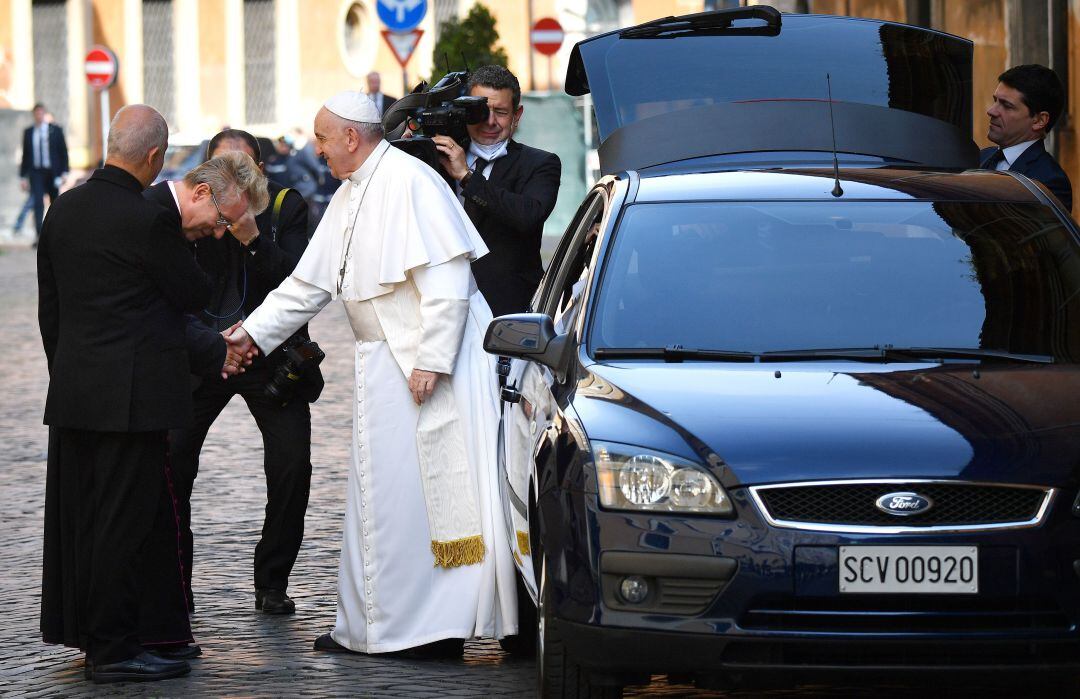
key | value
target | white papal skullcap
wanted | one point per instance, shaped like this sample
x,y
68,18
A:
x,y
354,106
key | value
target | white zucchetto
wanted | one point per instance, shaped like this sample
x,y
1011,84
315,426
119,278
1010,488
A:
x,y
354,106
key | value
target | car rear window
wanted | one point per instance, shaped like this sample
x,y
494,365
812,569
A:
x,y
775,276
869,62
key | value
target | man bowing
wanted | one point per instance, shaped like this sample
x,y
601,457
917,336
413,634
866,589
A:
x,y
423,561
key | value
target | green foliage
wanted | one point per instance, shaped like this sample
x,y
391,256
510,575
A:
x,y
473,37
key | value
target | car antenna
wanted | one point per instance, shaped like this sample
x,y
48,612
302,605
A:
x,y
446,59
837,190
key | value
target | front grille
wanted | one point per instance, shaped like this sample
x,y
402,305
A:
x,y
901,614
854,503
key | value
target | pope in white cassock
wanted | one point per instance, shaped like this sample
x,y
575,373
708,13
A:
x,y
423,557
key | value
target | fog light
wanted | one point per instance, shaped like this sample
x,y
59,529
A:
x,y
634,589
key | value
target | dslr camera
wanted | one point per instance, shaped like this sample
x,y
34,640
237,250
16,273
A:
x,y
443,110
301,356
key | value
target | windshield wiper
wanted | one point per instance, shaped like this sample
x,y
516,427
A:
x,y
889,353
673,353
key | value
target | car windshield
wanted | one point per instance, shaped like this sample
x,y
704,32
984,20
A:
x,y
773,276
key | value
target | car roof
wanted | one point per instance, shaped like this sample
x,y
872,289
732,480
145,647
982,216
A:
x,y
886,183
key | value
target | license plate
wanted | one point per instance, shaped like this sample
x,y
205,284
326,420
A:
x,y
909,569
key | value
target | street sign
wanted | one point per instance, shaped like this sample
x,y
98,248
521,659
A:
x,y
401,15
101,67
546,36
403,43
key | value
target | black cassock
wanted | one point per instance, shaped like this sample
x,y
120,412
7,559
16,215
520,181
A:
x,y
115,279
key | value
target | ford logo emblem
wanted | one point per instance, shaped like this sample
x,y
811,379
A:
x,y
904,504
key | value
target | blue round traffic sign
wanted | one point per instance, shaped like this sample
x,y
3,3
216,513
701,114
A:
x,y
401,15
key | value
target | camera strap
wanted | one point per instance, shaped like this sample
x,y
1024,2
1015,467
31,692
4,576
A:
x,y
275,215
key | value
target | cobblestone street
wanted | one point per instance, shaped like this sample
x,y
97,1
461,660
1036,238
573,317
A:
x,y
244,653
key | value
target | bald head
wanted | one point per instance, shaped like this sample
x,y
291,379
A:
x,y
374,82
138,137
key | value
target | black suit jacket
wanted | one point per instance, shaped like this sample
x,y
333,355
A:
x,y
387,100
1039,165
114,282
264,264
58,153
509,210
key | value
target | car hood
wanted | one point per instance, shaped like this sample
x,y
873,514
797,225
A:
x,y
833,420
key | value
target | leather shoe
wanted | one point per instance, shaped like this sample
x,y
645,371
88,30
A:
x,y
436,650
327,644
182,651
144,667
274,602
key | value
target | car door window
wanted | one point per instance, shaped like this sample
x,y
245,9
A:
x,y
568,255
563,303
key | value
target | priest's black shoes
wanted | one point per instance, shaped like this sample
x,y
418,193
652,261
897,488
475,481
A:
x,y
179,651
144,667
274,602
327,644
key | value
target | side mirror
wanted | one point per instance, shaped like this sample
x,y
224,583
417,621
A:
x,y
528,336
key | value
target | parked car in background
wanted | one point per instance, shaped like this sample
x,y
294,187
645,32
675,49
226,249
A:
x,y
788,404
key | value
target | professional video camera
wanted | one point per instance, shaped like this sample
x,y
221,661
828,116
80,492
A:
x,y
444,110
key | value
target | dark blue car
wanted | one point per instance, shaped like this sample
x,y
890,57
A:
x,y
786,403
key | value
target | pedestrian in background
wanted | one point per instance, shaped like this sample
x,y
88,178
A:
x,y
44,163
1027,103
374,92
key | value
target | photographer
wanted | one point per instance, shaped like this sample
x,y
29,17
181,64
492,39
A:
x,y
508,190
244,267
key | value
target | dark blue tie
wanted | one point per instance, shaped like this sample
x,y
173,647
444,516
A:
x,y
996,157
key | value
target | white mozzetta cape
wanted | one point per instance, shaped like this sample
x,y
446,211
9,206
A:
x,y
408,221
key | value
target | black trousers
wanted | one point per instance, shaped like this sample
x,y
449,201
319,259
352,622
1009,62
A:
x,y
286,435
42,183
111,579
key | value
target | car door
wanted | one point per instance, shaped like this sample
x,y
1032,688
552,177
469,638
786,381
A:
x,y
531,394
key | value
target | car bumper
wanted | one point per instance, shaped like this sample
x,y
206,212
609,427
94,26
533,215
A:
x,y
610,650
776,604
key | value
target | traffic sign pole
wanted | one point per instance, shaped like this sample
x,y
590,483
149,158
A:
x,y
104,122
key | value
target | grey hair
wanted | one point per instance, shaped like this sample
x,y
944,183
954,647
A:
x,y
368,131
134,142
230,176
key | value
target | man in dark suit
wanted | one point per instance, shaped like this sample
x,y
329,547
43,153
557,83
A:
x,y
244,267
1027,103
44,162
114,282
374,91
508,191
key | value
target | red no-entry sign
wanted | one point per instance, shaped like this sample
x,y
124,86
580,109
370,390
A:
x,y
546,36
101,67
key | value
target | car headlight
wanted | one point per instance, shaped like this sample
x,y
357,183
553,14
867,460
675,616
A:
x,y
631,478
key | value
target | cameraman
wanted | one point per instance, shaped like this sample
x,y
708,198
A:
x,y
508,190
244,268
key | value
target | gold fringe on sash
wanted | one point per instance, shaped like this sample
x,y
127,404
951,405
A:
x,y
523,542
460,552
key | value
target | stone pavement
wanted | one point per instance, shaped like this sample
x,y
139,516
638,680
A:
x,y
245,653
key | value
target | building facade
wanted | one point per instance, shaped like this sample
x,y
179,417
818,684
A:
x,y
267,65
